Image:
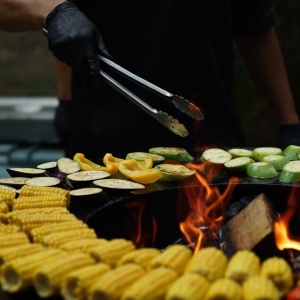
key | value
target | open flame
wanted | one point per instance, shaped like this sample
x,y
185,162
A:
x,y
283,238
206,206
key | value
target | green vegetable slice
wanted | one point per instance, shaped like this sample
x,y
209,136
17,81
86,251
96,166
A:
x,y
277,161
172,172
292,152
260,152
174,153
239,152
238,164
216,156
290,172
261,170
141,156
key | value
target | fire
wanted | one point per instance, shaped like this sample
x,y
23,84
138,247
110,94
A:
x,y
206,206
283,238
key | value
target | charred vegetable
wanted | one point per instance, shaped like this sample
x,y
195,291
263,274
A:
x,y
172,172
173,153
141,156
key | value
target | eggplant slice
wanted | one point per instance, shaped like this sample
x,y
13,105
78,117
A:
x,y
15,182
119,184
43,181
26,172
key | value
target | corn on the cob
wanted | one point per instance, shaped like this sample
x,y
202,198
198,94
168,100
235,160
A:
x,y
9,228
7,197
243,265
142,257
260,287
175,257
280,272
17,274
83,245
189,286
111,252
112,284
55,239
13,252
48,278
28,202
78,282
210,262
4,208
29,190
38,233
225,289
152,286
4,218
13,239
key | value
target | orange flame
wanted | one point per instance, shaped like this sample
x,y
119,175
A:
x,y
283,238
206,205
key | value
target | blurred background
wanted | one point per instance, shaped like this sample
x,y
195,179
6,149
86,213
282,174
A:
x,y
28,88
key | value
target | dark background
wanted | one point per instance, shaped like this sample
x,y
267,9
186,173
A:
x,y
26,69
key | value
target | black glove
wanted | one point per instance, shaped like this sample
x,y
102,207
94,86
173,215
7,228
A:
x,y
63,123
75,40
289,135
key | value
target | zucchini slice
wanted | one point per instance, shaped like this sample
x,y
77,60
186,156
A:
x,y
240,152
260,152
261,170
173,153
290,172
43,181
216,156
292,152
142,156
277,161
120,184
172,172
238,164
25,172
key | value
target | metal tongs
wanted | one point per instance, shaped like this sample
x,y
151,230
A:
x,y
166,120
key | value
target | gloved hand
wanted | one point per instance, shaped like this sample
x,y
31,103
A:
x,y
75,40
289,135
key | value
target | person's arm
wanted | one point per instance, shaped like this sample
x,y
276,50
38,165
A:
x,y
25,15
64,76
263,57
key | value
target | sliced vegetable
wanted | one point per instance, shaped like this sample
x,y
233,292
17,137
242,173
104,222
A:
x,y
174,153
118,184
43,181
290,172
15,182
110,159
67,166
6,187
240,152
141,156
260,152
88,165
277,161
48,166
292,152
238,164
216,156
83,178
135,171
26,172
171,172
84,196
261,170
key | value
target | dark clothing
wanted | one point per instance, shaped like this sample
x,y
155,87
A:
x,y
183,46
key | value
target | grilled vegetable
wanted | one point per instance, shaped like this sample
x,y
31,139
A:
x,y
171,172
141,156
7,196
216,156
6,187
280,272
120,184
67,166
261,152
258,288
43,181
240,152
15,182
225,289
189,286
290,172
82,179
85,196
243,265
261,170
276,160
152,286
173,153
292,152
83,245
48,166
135,171
175,257
25,172
112,284
110,159
238,164
210,262
13,239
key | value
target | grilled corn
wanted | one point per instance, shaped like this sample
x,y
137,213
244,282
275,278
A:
x,y
82,245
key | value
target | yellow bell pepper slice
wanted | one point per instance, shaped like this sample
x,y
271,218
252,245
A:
x,y
137,172
110,159
87,165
